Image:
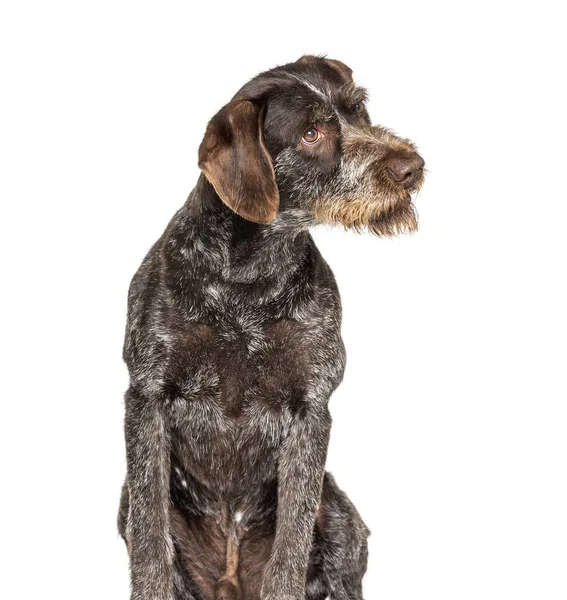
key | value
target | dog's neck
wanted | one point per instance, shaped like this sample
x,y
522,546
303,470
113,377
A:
x,y
235,250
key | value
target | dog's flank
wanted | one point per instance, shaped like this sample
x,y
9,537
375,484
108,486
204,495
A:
x,y
233,347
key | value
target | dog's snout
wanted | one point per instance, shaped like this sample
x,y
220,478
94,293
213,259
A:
x,y
405,169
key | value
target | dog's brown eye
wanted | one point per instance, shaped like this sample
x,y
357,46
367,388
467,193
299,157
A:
x,y
358,107
311,136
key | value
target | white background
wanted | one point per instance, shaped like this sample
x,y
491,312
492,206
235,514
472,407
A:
x,y
450,426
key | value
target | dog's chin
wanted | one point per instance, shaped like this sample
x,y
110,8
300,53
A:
x,y
393,213
385,215
400,216
401,219
395,217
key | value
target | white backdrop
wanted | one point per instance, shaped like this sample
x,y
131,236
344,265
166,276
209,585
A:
x,y
450,426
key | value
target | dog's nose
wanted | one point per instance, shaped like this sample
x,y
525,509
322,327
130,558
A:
x,y
405,169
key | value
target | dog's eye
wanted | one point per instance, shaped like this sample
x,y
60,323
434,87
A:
x,y
359,107
311,136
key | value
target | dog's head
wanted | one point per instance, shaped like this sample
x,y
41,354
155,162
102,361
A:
x,y
296,142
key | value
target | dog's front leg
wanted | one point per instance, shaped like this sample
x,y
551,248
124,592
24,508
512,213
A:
x,y
148,464
301,469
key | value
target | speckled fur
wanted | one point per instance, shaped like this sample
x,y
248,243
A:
x,y
233,347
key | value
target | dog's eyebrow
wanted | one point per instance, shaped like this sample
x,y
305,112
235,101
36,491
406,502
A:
x,y
321,115
350,92
325,95
353,94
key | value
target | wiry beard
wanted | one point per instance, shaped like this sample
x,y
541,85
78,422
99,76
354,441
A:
x,y
373,207
359,194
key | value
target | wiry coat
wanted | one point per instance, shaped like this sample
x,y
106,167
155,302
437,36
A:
x,y
233,346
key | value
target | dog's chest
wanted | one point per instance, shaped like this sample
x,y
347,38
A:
x,y
240,386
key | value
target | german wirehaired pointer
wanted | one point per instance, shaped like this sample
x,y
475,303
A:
x,y
233,346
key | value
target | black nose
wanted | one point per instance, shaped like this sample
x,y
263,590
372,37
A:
x,y
405,169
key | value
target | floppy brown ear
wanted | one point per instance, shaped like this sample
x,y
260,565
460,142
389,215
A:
x,y
234,159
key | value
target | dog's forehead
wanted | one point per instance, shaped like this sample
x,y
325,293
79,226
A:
x,y
325,85
311,81
315,93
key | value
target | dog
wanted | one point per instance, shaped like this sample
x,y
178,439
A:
x,y
233,347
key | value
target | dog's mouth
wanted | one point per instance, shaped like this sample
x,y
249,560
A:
x,y
377,203
400,216
409,194
416,184
406,195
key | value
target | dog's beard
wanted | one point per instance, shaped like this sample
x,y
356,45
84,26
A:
x,y
375,206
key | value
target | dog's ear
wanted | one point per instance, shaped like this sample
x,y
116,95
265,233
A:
x,y
234,159
339,66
